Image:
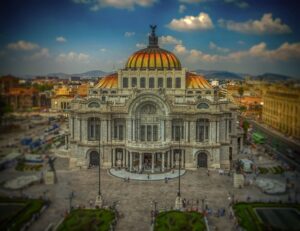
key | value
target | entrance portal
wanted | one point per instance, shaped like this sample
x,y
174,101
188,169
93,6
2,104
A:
x,y
94,158
147,161
202,160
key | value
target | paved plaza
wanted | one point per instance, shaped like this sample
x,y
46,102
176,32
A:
x,y
134,198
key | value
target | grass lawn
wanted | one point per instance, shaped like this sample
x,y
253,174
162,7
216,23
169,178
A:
x,y
248,218
179,221
88,219
14,213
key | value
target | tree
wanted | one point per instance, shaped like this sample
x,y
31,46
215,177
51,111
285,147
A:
x,y
4,108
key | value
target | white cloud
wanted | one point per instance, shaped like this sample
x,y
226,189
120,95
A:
x,y
96,5
169,40
189,23
129,34
22,45
42,53
73,57
241,42
257,54
214,46
141,45
61,39
180,49
266,25
238,3
181,9
103,49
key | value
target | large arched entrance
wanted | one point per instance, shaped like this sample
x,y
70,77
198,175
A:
x,y
94,158
202,160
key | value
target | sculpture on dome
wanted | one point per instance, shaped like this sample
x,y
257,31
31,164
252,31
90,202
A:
x,y
153,27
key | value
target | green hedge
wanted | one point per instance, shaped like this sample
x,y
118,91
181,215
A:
x,y
179,221
21,216
88,219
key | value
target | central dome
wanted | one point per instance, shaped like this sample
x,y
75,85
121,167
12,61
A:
x,y
153,57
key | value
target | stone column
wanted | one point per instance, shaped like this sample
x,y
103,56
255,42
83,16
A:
x,y
152,164
169,158
163,162
130,162
193,131
66,141
85,130
114,158
140,162
172,159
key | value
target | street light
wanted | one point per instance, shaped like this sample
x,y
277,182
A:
x,y
178,193
99,200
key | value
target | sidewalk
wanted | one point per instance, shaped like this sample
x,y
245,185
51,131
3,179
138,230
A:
x,y
135,176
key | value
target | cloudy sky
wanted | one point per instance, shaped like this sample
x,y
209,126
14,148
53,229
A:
x,y
74,36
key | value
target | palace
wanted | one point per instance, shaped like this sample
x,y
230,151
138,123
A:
x,y
152,115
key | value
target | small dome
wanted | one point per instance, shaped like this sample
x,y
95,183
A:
x,y
194,81
110,81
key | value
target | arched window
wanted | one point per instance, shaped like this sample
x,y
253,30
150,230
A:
x,y
203,106
169,82
160,82
202,130
93,104
177,129
143,82
133,82
93,128
125,82
151,82
178,83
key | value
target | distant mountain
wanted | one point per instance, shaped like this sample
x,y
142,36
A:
x,y
272,77
91,74
220,75
88,74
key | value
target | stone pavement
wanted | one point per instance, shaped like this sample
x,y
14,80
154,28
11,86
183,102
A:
x,y
145,177
134,198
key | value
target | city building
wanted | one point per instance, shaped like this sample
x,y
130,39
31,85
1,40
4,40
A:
x,y
281,108
143,117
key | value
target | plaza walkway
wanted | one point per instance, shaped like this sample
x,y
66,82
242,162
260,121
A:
x,y
146,177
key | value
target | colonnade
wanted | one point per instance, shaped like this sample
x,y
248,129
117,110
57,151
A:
x,y
147,161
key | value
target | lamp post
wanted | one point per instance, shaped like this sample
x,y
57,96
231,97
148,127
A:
x,y
99,199
178,200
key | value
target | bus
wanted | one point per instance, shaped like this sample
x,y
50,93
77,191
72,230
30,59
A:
x,y
258,138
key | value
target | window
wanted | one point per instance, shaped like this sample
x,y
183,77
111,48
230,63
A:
x,y
229,126
178,83
142,132
151,82
155,130
93,104
207,92
142,83
202,130
115,132
125,82
149,132
177,129
160,82
169,82
121,132
202,106
93,129
190,92
133,82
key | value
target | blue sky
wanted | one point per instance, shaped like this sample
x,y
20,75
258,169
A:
x,y
74,36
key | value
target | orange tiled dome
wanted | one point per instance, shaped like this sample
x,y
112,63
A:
x,y
153,58
110,81
196,81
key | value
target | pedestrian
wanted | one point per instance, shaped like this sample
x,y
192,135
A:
x,y
207,172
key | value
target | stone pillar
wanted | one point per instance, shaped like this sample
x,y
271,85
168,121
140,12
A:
x,y
114,158
130,162
186,130
152,164
193,131
172,158
163,162
66,141
140,161
169,158
85,130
